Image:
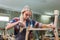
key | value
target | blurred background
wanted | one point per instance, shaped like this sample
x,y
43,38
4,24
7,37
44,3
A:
x,y
43,10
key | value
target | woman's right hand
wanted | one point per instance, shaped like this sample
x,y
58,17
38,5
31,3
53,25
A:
x,y
21,23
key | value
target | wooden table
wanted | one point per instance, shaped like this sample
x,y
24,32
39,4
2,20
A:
x,y
41,29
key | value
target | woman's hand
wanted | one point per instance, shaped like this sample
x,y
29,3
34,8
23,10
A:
x,y
51,26
21,24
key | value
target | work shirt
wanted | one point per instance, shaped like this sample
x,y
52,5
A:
x,y
21,35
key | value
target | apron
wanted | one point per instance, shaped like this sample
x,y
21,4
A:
x,y
21,35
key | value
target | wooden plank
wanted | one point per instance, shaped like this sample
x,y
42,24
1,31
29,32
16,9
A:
x,y
30,28
40,29
56,13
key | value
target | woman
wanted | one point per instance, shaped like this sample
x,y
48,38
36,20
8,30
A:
x,y
24,21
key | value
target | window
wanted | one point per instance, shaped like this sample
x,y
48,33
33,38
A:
x,y
4,18
45,18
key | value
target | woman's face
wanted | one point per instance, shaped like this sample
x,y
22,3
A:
x,y
27,14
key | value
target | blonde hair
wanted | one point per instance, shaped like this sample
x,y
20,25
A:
x,y
26,8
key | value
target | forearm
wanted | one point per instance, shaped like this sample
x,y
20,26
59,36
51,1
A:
x,y
10,25
45,26
40,25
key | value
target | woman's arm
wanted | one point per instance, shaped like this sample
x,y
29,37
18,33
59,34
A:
x,y
10,25
40,25
48,26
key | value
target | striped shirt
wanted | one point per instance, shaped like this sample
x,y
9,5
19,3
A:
x,y
33,23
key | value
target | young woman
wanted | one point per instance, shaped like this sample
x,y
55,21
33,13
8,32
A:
x,y
24,21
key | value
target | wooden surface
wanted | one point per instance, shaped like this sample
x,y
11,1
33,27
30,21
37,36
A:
x,y
42,29
45,29
56,13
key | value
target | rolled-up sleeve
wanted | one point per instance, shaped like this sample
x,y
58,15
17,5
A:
x,y
11,21
37,24
14,20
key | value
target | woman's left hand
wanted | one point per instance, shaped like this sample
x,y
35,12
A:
x,y
51,26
